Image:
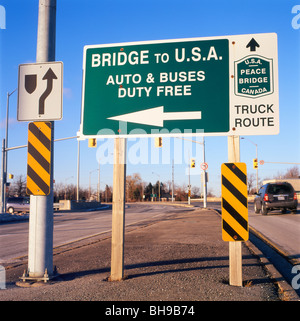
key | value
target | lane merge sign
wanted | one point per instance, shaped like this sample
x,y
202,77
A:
x,y
201,86
40,91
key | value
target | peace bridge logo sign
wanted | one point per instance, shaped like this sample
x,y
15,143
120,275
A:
x,y
254,76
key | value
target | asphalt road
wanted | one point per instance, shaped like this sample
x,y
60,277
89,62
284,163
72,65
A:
x,y
281,229
71,226
181,257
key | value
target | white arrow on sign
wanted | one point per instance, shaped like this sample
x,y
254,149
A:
x,y
156,116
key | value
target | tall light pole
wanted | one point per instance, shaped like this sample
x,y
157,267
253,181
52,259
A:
x,y
173,180
256,159
78,170
204,178
204,171
158,185
40,248
66,185
98,186
94,170
4,156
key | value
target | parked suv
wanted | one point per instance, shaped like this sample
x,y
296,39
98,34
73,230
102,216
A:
x,y
17,204
276,196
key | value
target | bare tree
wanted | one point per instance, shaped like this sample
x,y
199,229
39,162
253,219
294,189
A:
x,y
18,187
69,191
107,194
210,193
181,193
134,187
292,172
195,191
250,182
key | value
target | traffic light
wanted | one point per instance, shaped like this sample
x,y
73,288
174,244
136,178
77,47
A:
x,y
158,141
193,163
255,163
92,142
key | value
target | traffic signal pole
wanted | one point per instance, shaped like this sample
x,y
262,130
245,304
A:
x,y
256,171
40,250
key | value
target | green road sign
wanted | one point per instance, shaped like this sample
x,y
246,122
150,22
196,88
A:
x,y
254,76
171,87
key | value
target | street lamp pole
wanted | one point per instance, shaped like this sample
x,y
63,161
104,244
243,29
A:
x,y
158,185
98,186
94,170
66,186
204,178
4,158
78,170
204,171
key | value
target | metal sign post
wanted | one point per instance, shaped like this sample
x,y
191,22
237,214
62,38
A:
x,y
40,250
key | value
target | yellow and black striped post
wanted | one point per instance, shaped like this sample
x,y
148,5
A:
x,y
39,158
234,202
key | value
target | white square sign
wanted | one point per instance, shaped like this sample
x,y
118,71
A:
x,y
40,90
254,99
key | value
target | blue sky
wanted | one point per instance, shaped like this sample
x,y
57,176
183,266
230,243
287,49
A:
x,y
89,22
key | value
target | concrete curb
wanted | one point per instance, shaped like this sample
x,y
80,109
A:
x,y
285,291
13,217
286,255
163,203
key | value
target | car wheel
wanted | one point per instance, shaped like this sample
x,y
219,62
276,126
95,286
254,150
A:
x,y
294,210
256,210
264,210
283,211
11,210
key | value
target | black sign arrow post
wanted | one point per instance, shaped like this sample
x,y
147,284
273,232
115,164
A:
x,y
49,75
252,44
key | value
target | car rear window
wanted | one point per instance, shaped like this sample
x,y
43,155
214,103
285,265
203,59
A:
x,y
279,189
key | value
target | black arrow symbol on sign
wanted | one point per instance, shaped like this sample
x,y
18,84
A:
x,y
49,75
252,44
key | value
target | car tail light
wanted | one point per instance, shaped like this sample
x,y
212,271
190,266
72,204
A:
x,y
266,198
295,196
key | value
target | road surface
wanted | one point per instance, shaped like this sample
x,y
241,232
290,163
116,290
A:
x,y
281,229
71,226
